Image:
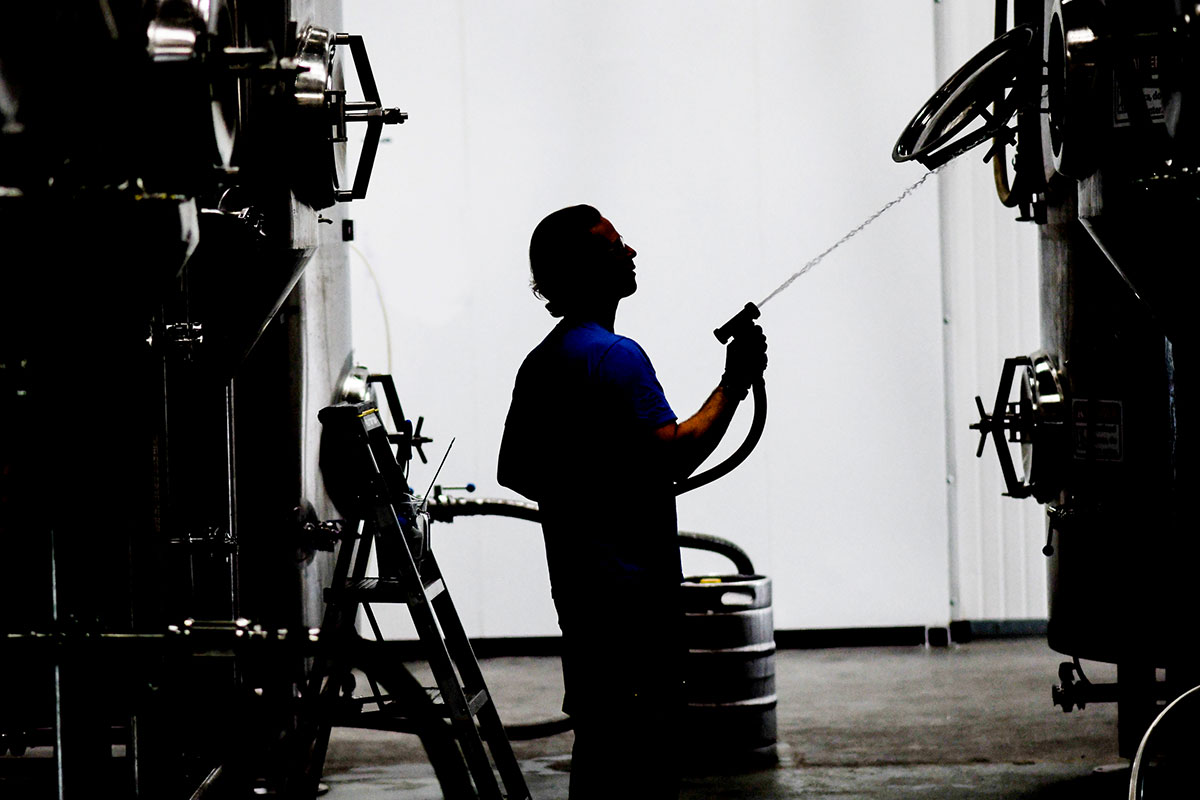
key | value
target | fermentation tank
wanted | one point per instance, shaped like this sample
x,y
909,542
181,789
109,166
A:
x,y
174,310
1090,110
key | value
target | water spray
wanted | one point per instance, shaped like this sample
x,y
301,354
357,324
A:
x,y
743,321
750,312
850,235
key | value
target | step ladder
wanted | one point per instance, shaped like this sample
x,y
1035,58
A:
x,y
456,718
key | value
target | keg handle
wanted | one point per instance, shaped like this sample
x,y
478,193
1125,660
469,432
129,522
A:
x,y
735,596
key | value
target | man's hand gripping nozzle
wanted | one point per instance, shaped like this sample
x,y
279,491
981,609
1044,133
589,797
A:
x,y
745,352
739,323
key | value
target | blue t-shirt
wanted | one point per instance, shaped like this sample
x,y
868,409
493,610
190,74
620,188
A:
x,y
579,440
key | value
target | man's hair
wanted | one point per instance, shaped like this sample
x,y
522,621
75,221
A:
x,y
558,245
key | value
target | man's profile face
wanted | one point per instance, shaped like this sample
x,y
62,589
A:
x,y
615,269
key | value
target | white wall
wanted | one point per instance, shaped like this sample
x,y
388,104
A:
x,y
991,279
729,143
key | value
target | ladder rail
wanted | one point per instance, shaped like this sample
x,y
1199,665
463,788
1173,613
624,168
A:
x,y
489,716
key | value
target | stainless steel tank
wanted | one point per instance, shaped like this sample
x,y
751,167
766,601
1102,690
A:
x,y
1090,109
174,310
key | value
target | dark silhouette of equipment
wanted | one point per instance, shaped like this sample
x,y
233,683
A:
x,y
1097,101
164,239
367,483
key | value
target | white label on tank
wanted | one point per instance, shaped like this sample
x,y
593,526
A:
x,y
1145,71
1096,426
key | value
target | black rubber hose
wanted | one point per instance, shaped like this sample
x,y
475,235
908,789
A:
x,y
446,510
757,424
715,544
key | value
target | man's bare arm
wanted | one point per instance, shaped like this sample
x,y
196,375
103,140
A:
x,y
690,442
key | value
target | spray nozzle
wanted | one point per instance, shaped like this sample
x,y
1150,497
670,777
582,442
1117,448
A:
x,y
740,322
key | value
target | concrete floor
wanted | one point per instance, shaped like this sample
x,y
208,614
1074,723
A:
x,y
971,721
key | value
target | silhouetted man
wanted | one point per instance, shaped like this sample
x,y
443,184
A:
x,y
591,438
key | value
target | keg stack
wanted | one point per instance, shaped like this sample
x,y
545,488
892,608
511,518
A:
x,y
729,631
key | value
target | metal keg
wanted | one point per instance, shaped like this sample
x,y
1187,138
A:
x,y
729,671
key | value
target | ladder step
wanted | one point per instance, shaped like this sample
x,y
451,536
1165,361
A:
x,y
380,590
474,702
384,719
350,712
477,702
382,701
